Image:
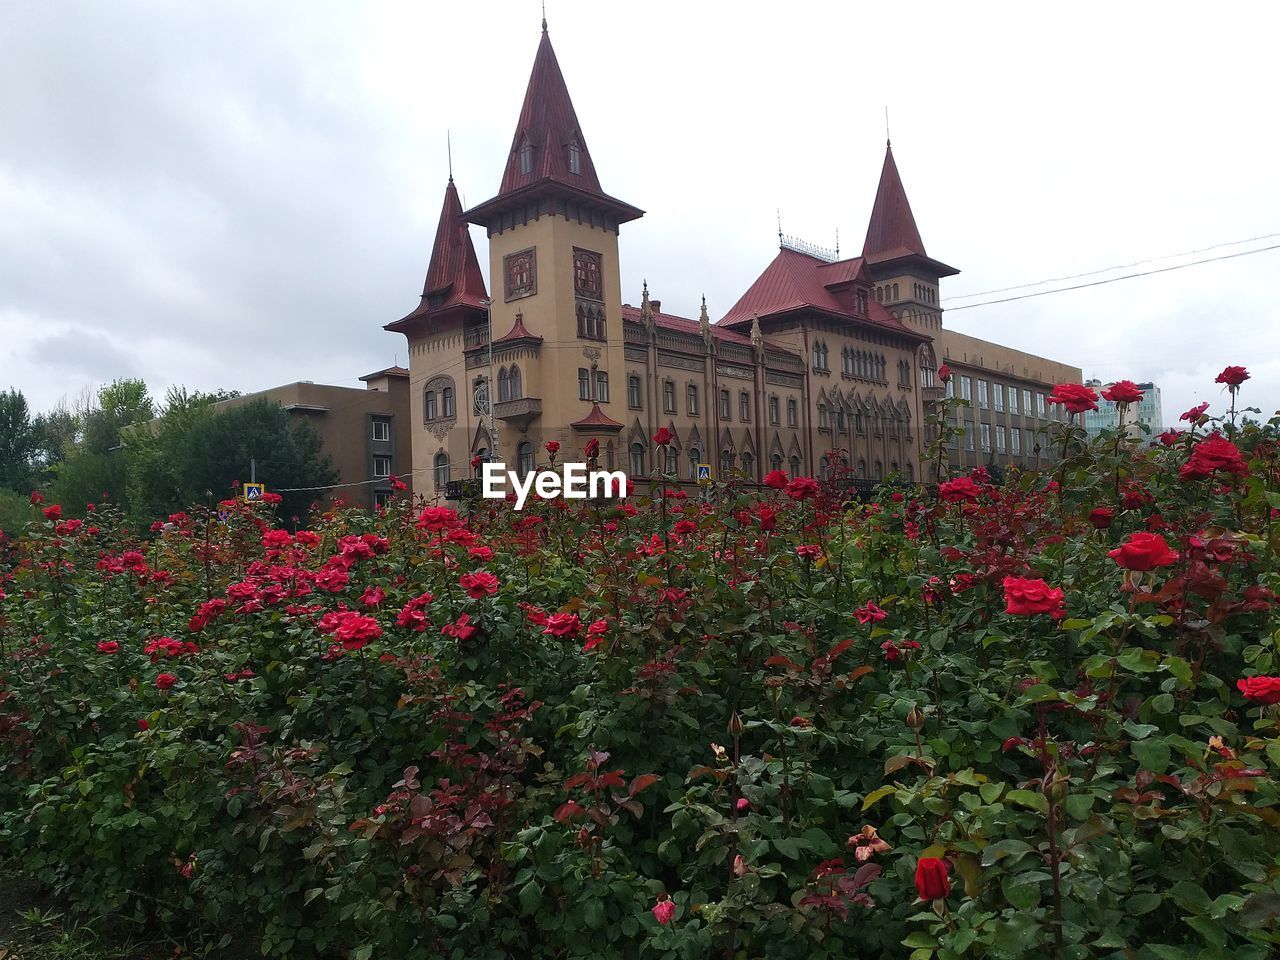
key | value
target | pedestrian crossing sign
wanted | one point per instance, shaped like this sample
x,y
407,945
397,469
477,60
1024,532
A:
x,y
253,492
703,473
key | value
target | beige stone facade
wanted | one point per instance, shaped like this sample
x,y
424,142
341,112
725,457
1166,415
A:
x,y
820,360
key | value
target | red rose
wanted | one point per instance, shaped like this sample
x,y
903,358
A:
x,y
1232,376
479,585
1143,552
165,681
355,630
869,613
553,447
1261,690
37,498
1170,437
461,630
143,724
435,519
775,479
476,461
1076,397
933,878
802,488
1101,517
944,373
809,551
1025,597
592,449
663,437
1122,391
1195,413
108,646
961,488
664,911
563,625
54,512
1210,455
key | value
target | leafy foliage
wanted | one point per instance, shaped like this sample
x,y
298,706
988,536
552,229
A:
x,y
671,727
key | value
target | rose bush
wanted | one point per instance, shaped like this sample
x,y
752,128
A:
x,y
780,724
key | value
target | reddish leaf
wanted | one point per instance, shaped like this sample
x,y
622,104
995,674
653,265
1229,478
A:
x,y
567,811
641,782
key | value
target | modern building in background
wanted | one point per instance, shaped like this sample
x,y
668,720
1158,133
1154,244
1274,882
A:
x,y
819,356
1107,417
365,432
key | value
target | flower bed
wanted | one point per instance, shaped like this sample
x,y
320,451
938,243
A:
x,y
1033,718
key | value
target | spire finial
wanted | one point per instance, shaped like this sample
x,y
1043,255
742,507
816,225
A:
x,y
837,243
544,16
448,145
887,141
779,226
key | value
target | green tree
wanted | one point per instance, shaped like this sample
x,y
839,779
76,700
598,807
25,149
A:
x,y
120,404
56,433
17,442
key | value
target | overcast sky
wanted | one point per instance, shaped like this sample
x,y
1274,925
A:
x,y
241,194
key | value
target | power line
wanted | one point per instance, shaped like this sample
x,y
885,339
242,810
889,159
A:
x,y
354,483
1128,276
1118,266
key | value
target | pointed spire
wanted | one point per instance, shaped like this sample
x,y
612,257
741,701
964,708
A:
x,y
704,320
454,272
646,308
892,225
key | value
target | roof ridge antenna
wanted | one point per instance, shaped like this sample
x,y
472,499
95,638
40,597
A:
x,y
837,243
544,16
448,146
887,141
779,228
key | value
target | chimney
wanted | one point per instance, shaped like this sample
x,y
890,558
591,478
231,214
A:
x,y
657,305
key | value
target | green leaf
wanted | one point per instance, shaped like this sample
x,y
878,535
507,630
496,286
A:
x,y
1152,754
1010,847
787,847
878,794
530,897
1021,896
1029,798
1142,903
1191,897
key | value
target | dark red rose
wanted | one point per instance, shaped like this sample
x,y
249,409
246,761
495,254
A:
x,y
165,681
592,449
1232,376
1076,397
933,878
1260,690
1212,454
478,585
563,625
553,447
944,373
1143,552
961,488
1026,597
1101,517
54,512
435,519
1122,391
776,479
1170,437
1195,413
802,488
663,437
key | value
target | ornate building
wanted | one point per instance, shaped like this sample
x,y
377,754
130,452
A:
x,y
818,355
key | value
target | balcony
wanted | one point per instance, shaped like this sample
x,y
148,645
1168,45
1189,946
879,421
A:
x,y
476,337
519,413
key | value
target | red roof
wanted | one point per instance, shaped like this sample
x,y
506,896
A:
x,y
668,321
453,275
547,128
892,224
597,419
800,281
518,332
388,372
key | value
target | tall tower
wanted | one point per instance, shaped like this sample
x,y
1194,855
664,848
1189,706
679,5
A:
x,y
906,278
450,314
553,256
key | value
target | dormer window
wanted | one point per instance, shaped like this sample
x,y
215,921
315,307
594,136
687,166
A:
x,y
526,157
575,158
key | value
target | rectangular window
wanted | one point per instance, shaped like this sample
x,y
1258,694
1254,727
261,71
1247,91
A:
x,y
1015,445
966,388
986,437
431,404
744,407
999,438
982,394
602,386
773,411
633,393
447,394
382,466
1013,399
1040,404
381,428
725,412
997,396
584,383
668,396
381,498
693,400
968,434
951,388
792,414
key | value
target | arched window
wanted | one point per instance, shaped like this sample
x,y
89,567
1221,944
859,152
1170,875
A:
x,y
893,467
608,456
695,458
673,461
862,467
633,392
911,472
795,466
879,473
824,422
516,388
446,397
817,355
602,386
583,322
524,458
748,463
429,405
726,463
895,291
775,462
637,460
504,385
442,470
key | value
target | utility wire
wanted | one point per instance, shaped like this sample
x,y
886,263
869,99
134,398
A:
x,y
1127,276
354,483
1118,266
